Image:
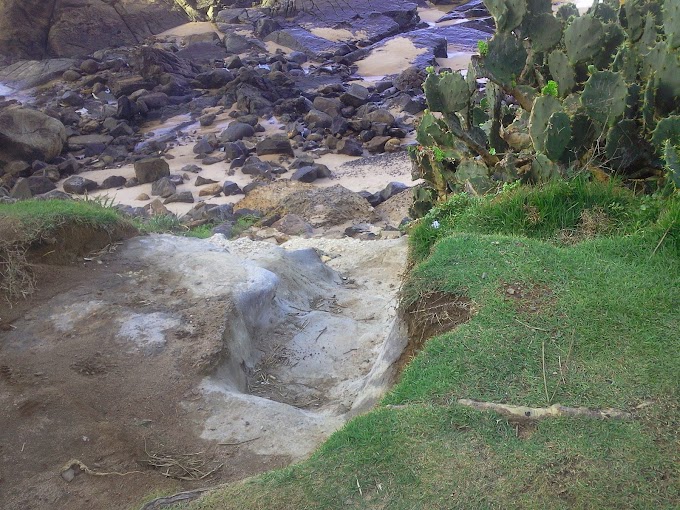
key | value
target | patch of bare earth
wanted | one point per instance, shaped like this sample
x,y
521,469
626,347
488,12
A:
x,y
434,313
89,423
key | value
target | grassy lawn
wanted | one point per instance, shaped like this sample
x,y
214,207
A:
x,y
574,291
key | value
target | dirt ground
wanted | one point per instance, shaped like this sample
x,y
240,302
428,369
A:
x,y
69,391
112,375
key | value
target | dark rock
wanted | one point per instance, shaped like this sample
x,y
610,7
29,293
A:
x,y
410,79
305,174
265,26
32,29
275,144
231,188
114,181
316,119
155,63
183,196
381,116
331,106
70,76
257,168
350,147
392,189
126,109
356,95
298,57
299,39
151,169
415,105
155,100
233,62
212,160
236,43
71,98
40,185
79,185
54,194
229,16
377,144
202,181
223,212
92,144
215,79
339,126
89,66
126,86
203,52
207,119
234,150
163,187
237,131
194,169
225,228
293,225
29,135
17,168
21,190
205,145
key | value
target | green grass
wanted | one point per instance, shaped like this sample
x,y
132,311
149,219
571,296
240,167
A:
x,y
606,321
560,211
41,215
27,224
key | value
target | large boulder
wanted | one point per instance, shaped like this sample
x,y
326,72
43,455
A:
x,y
35,29
151,169
29,135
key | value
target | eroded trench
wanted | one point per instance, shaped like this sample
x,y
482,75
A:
x,y
311,333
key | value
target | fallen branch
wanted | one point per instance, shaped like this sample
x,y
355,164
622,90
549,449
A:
x,y
537,413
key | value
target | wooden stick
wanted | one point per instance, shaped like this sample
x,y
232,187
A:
x,y
537,413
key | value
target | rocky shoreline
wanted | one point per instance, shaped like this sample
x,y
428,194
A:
x,y
194,118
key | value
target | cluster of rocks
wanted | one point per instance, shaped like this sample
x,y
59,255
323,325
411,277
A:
x,y
90,118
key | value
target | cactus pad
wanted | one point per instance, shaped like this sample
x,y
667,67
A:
x,y
584,38
667,129
446,92
557,135
506,57
671,154
604,97
623,145
544,107
507,13
562,72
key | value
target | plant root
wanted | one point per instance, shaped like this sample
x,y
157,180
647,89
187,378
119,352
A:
x,y
180,497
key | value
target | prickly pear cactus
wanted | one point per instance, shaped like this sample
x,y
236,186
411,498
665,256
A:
x,y
541,112
623,145
508,14
557,135
562,71
545,32
604,97
671,23
506,57
617,70
584,38
672,157
667,129
446,92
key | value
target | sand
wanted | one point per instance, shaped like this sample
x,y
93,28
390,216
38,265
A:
x,y
338,34
193,28
391,58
